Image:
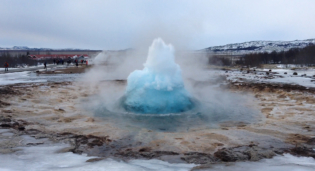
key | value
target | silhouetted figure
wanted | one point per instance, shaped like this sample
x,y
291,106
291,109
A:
x,y
76,63
68,62
6,66
54,61
62,61
45,65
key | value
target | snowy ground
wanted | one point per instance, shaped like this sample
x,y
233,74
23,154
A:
x,y
27,67
31,77
50,67
276,76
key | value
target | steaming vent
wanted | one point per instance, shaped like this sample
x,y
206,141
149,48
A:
x,y
158,88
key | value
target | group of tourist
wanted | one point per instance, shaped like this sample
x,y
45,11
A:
x,y
61,61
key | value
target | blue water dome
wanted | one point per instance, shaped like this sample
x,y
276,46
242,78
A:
x,y
158,88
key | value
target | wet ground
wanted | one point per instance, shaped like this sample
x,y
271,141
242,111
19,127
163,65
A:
x,y
51,68
33,150
241,121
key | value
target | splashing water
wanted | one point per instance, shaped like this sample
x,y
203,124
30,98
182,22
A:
x,y
159,87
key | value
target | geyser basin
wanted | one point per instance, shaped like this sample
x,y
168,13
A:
x,y
159,87
214,107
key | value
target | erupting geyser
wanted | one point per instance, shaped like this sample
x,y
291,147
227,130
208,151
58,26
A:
x,y
159,87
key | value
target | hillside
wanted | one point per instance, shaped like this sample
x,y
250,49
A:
x,y
259,46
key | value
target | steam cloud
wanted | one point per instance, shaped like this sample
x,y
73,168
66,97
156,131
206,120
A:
x,y
108,88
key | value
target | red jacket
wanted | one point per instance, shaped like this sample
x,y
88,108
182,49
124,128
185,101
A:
x,y
6,64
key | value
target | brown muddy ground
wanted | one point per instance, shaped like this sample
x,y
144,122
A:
x,y
57,111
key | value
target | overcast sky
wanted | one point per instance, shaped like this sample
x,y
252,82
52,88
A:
x,y
121,24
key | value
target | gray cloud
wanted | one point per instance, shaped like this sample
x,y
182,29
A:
x,y
118,24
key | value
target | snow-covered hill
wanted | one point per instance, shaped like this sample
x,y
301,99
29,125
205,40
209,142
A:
x,y
260,46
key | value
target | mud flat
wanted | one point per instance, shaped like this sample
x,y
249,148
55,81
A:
x,y
61,111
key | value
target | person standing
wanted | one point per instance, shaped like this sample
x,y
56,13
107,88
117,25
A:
x,y
45,65
68,62
6,66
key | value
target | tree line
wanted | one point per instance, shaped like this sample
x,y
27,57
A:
x,y
16,61
220,61
299,56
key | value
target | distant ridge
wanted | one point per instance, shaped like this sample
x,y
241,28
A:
x,y
259,46
41,49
